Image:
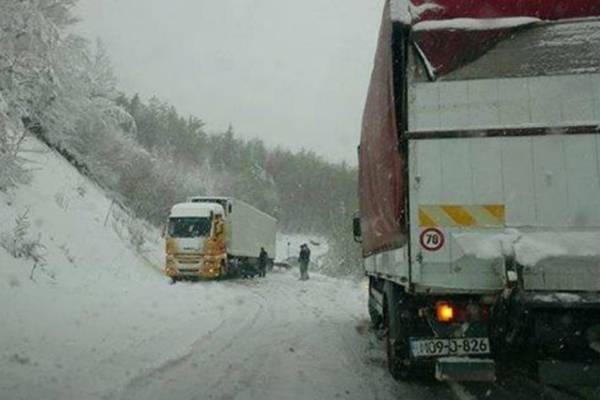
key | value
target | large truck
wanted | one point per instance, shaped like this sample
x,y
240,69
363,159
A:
x,y
216,237
479,187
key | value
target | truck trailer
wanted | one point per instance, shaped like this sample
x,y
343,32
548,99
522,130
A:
x,y
479,187
216,237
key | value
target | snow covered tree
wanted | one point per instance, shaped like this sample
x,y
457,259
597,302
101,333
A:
x,y
29,34
52,84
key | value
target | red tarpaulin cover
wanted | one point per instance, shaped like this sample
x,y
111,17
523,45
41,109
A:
x,y
447,50
542,9
380,180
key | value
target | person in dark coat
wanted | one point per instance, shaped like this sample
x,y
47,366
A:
x,y
304,259
263,259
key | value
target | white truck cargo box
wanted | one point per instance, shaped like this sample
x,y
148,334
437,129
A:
x,y
250,229
504,163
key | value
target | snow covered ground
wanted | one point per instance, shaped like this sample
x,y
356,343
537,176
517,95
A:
x,y
97,320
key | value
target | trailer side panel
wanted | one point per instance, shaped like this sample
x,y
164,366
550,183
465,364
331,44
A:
x,y
381,194
250,229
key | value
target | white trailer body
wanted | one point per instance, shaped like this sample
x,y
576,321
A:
x,y
520,176
249,230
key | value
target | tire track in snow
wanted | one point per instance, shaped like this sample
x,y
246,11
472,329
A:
x,y
152,372
138,385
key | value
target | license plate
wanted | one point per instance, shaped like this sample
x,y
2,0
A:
x,y
449,347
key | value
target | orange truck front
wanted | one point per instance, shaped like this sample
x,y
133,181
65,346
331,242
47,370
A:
x,y
195,241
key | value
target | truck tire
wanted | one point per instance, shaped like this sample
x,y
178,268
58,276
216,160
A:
x,y
376,317
398,330
374,307
224,270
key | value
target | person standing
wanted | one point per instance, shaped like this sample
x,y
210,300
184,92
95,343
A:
x,y
304,260
263,258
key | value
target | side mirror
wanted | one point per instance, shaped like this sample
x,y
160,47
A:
x,y
357,230
163,231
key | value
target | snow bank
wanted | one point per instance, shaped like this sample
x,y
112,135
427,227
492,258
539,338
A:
x,y
471,24
529,249
96,311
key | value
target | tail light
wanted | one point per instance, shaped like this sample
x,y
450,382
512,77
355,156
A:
x,y
447,312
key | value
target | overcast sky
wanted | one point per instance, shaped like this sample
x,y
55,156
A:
x,y
293,73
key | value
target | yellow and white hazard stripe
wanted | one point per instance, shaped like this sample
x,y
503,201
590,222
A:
x,y
462,216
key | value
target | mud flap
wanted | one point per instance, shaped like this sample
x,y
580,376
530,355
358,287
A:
x,y
569,373
465,369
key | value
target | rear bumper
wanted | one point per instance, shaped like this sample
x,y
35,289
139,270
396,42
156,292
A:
x,y
465,369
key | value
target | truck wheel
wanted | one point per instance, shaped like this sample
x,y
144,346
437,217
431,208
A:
x,y
224,270
376,317
397,334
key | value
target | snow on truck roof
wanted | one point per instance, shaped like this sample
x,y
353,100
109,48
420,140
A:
x,y
195,209
194,199
474,24
406,12
207,199
551,48
450,34
412,11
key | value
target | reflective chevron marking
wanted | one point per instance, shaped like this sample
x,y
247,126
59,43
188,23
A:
x,y
462,216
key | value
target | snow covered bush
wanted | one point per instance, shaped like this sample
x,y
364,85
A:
x,y
11,169
136,234
20,244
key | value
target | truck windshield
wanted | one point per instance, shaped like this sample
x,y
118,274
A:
x,y
188,227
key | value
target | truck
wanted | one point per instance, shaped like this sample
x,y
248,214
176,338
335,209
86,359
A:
x,y
479,188
216,237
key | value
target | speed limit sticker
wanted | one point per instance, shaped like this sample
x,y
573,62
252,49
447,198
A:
x,y
432,239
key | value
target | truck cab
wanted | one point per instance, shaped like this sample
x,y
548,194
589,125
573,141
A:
x,y
191,230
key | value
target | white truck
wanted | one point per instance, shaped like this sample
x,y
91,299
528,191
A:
x,y
214,237
479,188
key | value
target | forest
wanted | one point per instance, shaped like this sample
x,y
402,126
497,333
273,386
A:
x,y
61,88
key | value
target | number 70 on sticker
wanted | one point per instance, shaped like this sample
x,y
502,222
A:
x,y
432,239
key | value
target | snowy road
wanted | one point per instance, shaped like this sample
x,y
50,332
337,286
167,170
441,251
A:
x,y
284,339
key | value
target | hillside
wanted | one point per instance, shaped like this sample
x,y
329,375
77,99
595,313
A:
x,y
93,303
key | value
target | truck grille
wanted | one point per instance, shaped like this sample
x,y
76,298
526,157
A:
x,y
188,258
